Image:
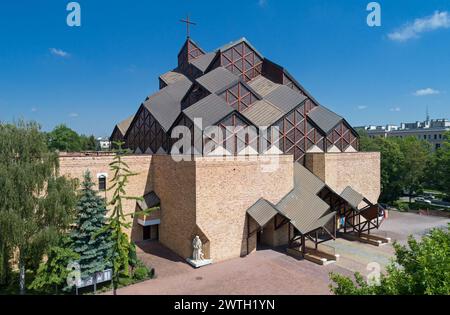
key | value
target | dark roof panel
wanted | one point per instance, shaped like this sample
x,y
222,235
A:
x,y
150,200
262,85
165,105
302,208
305,179
172,77
211,109
217,79
285,98
353,197
324,118
263,113
203,62
124,125
262,212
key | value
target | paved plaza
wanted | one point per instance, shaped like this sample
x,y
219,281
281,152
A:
x,y
271,271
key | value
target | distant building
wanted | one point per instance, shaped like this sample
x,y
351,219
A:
x,y
430,130
103,144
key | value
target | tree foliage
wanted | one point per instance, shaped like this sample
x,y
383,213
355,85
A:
x,y
53,274
439,167
421,267
36,204
404,164
88,239
64,139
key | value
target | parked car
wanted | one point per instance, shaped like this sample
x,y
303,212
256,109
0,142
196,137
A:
x,y
423,200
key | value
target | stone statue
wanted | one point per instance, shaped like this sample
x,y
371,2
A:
x,y
197,254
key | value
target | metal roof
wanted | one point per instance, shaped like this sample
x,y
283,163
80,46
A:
x,y
263,113
353,197
302,208
125,124
262,212
322,221
202,62
150,200
285,98
262,85
172,77
217,79
236,42
165,105
324,118
211,109
304,179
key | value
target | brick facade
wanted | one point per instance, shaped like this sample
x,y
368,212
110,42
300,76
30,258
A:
x,y
209,196
359,170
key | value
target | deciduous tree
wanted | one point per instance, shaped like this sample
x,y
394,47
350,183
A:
x,y
36,204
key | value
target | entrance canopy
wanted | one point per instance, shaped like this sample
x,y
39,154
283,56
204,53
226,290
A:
x,y
304,210
262,212
150,200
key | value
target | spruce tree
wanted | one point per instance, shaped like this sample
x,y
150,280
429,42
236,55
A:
x,y
90,238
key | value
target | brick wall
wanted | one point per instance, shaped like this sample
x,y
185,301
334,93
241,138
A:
x,y
227,188
360,170
207,197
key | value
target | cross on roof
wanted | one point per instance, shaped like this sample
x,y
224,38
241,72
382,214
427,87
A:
x,y
188,24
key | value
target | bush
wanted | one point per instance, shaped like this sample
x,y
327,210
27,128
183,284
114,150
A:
x,y
141,272
421,267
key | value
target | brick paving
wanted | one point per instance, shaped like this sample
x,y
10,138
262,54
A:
x,y
270,271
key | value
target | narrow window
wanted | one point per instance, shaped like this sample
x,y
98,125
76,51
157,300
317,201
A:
x,y
102,183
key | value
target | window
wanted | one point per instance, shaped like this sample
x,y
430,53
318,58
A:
x,y
438,145
425,137
102,183
440,136
435,137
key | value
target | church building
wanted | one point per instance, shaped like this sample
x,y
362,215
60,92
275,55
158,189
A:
x,y
261,161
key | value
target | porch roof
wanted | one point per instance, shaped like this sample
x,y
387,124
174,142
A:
x,y
150,200
353,197
262,212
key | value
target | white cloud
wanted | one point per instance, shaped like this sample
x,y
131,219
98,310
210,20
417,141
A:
x,y
426,24
73,115
425,92
59,52
395,109
361,107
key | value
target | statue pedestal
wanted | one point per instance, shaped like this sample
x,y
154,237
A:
x,y
199,263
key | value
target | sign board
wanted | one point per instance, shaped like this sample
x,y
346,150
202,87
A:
x,y
99,277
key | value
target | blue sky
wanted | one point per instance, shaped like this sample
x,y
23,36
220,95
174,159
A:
x,y
91,77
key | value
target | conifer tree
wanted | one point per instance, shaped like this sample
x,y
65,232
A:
x,y
88,239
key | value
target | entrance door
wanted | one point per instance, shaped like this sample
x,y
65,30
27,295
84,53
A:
x,y
150,232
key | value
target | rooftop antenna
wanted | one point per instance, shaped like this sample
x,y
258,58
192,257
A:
x,y
428,115
188,24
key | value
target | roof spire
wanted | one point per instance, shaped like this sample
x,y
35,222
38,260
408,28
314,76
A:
x,y
188,24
